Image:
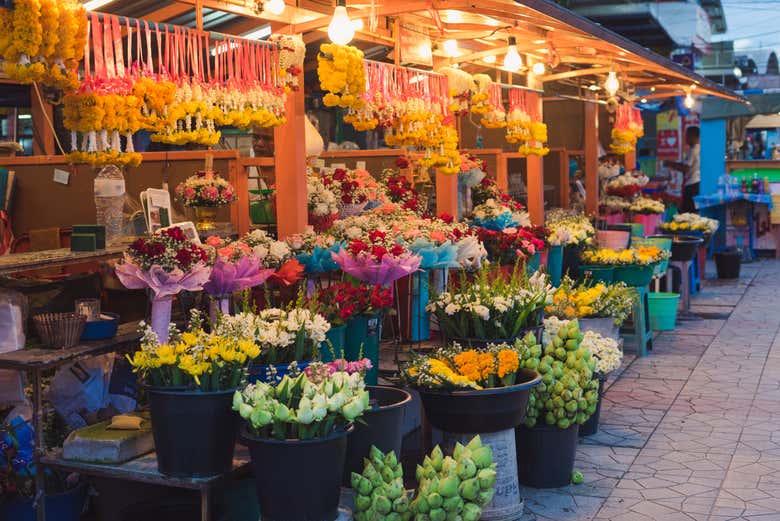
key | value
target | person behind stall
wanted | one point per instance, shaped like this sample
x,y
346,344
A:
x,y
691,169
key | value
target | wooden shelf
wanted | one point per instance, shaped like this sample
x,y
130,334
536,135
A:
x,y
34,260
39,359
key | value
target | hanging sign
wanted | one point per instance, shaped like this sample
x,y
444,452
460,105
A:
x,y
668,135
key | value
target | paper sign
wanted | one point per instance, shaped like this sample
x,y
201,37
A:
x,y
339,165
361,165
61,176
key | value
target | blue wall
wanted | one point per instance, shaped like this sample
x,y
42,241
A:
x,y
713,154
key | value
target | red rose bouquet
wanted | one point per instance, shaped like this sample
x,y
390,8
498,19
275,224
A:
x,y
509,245
340,302
376,258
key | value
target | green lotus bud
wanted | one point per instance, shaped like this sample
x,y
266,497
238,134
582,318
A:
x,y
420,505
435,500
401,504
560,353
393,516
449,465
591,409
437,514
369,470
382,505
420,517
580,418
355,479
419,473
482,457
485,497
399,471
466,468
582,404
471,512
564,423
390,459
458,451
437,457
453,504
394,490
454,516
557,342
388,474
376,456
448,486
260,418
474,443
469,489
550,418
362,503
571,406
529,421
487,478
572,345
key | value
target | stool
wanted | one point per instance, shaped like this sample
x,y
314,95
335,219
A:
x,y
685,285
639,331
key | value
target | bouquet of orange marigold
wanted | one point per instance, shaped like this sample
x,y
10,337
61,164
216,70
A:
x,y
456,368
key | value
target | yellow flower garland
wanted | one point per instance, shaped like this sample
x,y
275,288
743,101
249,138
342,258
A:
x,y
341,73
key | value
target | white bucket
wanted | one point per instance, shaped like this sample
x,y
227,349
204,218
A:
x,y
506,504
612,239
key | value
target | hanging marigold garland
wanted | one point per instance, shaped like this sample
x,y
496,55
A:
x,y
42,41
523,126
480,99
495,117
342,75
627,130
180,96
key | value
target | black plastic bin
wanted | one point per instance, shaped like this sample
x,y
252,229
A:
x,y
728,263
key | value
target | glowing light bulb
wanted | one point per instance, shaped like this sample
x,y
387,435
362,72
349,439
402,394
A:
x,y
451,47
275,7
612,84
340,30
512,60
689,101
737,72
489,59
538,68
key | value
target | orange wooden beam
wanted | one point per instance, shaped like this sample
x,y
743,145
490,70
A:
x,y
446,194
290,148
502,177
563,167
591,141
629,160
42,121
535,175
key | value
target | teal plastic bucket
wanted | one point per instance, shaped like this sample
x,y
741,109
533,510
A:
x,y
364,332
335,343
598,273
634,275
637,229
532,264
555,264
663,310
662,243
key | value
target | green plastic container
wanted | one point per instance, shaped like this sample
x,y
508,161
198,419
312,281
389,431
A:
x,y
663,310
364,332
662,243
533,264
637,229
337,336
264,210
634,275
555,264
598,273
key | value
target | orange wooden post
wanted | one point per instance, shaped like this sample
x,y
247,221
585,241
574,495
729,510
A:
x,y
446,194
239,211
535,174
630,160
290,169
502,177
591,158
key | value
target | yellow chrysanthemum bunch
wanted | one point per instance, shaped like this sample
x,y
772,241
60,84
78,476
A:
x,y
194,359
641,255
529,134
342,74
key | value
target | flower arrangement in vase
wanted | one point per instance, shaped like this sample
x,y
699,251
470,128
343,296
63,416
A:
x,y
165,263
352,194
276,255
376,259
205,191
587,300
323,204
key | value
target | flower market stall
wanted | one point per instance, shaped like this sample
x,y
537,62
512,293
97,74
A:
x,y
262,342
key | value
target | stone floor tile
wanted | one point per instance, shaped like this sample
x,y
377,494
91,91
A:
x,y
699,327
547,505
617,435
660,368
670,438
642,393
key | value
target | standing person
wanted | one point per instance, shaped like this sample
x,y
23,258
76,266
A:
x,y
691,169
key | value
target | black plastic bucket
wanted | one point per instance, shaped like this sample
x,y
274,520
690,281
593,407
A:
x,y
194,432
381,426
298,479
591,426
572,258
545,455
728,264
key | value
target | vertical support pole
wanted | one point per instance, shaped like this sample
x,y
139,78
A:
x,y
629,160
290,169
39,447
502,176
535,173
199,15
446,194
42,120
591,157
239,212
563,174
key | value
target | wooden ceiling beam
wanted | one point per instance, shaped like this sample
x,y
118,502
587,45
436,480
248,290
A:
x,y
173,10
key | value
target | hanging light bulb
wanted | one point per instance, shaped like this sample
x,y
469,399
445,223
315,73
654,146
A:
x,y
340,30
612,84
451,48
275,7
538,68
512,60
689,101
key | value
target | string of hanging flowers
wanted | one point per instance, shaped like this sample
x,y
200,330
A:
x,y
341,73
627,130
523,126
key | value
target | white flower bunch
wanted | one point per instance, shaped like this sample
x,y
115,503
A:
x,y
300,407
307,241
697,222
321,200
628,179
615,203
357,226
551,327
646,205
605,350
566,227
492,209
271,252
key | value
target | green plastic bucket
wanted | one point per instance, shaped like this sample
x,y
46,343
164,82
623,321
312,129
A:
x,y
634,275
363,334
598,273
555,264
662,243
663,310
637,229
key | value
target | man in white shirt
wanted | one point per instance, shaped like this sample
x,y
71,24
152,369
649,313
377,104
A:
x,y
691,169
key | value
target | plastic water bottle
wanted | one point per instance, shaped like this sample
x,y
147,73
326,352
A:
x,y
110,201
721,185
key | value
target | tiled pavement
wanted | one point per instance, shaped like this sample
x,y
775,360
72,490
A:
x,y
692,432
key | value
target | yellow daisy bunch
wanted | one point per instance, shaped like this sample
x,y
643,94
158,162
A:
x,y
341,74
